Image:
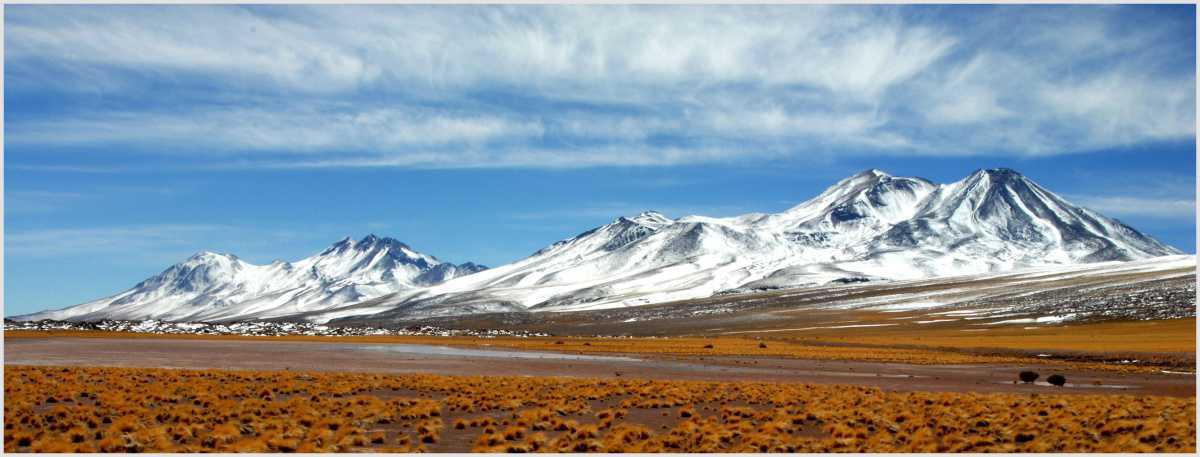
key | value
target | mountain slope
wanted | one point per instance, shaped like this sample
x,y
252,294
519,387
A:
x,y
869,226
216,287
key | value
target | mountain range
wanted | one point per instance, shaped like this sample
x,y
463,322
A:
x,y
869,227
221,287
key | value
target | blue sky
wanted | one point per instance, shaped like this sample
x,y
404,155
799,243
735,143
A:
x,y
136,136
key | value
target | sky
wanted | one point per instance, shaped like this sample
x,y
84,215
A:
x,y
136,136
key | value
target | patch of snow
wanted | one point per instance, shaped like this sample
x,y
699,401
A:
x,y
807,328
1037,320
901,307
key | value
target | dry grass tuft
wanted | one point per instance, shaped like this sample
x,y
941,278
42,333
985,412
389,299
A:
x,y
147,410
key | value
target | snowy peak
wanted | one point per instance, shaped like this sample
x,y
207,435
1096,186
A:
x,y
1002,197
471,267
983,194
868,175
871,193
372,241
348,258
214,286
653,219
886,198
201,271
395,249
852,210
626,230
206,256
998,174
984,191
609,237
1002,214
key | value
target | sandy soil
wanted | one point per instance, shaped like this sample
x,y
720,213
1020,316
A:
x,y
399,358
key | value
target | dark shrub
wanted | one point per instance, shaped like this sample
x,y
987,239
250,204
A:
x,y
1057,379
1028,376
708,346
762,345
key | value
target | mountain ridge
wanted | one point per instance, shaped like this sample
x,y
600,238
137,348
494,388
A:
x,y
869,226
213,286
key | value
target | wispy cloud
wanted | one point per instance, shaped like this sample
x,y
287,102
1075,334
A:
x,y
1131,194
1181,209
107,240
40,201
305,131
47,201
65,168
613,210
571,86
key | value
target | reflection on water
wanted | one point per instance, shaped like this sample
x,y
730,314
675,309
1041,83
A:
x,y
447,351
1086,386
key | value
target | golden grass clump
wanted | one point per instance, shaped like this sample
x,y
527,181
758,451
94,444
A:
x,y
158,410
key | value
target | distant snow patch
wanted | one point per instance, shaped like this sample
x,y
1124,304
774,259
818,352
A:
x,y
809,328
901,307
1039,320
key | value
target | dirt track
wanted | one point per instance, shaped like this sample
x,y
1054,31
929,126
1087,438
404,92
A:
x,y
399,358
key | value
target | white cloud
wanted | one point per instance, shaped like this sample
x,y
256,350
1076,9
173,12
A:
x,y
546,86
572,158
613,210
48,201
1131,193
65,168
40,201
968,95
301,131
126,239
1183,209
231,43
1122,108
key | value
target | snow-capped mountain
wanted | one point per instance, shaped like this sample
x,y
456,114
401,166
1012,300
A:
x,y
216,287
870,226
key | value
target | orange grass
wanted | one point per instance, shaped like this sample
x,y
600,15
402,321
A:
x,y
1169,335
156,410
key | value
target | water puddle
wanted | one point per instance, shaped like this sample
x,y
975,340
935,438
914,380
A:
x,y
447,351
1078,386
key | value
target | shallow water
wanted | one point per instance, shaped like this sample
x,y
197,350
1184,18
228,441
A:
x,y
1077,386
448,351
